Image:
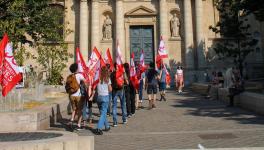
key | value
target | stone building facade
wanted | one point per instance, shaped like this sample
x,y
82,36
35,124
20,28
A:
x,y
139,24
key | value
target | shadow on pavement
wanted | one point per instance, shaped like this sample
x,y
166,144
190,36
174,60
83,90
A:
x,y
200,106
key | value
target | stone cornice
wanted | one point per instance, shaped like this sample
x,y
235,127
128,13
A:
x,y
141,11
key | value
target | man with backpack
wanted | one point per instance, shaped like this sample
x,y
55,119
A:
x,y
118,91
73,89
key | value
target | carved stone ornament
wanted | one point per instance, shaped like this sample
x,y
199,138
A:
x,y
107,28
175,26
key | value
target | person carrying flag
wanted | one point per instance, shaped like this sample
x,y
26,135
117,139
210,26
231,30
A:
x,y
76,98
162,81
118,92
103,89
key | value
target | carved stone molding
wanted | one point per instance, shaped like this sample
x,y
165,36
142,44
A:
x,y
154,19
141,11
127,20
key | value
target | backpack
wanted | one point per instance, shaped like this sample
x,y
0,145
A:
x,y
117,83
72,85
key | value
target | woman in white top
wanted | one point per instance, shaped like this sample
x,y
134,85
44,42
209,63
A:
x,y
179,79
103,89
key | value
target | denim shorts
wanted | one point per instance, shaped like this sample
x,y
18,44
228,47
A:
x,y
152,89
162,86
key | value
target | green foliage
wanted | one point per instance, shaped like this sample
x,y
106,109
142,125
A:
x,y
21,54
254,6
39,24
233,27
53,58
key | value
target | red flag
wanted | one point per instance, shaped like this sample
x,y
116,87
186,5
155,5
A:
x,y
82,68
142,62
168,78
10,71
120,68
108,59
133,75
162,51
159,61
101,60
94,58
3,44
96,78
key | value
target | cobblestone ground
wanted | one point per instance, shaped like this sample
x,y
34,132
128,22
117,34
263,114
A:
x,y
182,122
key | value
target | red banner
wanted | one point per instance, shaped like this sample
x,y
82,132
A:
x,y
162,51
120,68
133,75
96,78
3,44
108,59
10,72
82,68
94,58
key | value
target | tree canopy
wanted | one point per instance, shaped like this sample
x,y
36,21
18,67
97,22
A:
x,y
233,27
254,6
40,24
30,21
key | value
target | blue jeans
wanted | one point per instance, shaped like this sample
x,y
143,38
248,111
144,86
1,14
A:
x,y
121,95
86,112
140,91
109,105
103,101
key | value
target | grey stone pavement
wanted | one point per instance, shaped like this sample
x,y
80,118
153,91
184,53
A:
x,y
183,122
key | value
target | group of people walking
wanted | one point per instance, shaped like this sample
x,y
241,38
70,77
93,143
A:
x,y
82,94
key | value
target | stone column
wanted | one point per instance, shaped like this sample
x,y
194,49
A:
x,y
188,35
163,18
120,27
95,36
199,34
84,29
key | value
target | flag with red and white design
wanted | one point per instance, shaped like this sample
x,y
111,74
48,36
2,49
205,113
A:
x,y
108,59
120,68
159,61
142,62
82,68
10,71
162,53
168,78
3,44
133,75
94,58
96,78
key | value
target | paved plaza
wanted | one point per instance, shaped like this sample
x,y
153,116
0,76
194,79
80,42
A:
x,y
183,122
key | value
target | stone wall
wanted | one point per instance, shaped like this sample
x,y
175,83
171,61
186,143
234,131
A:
x,y
246,100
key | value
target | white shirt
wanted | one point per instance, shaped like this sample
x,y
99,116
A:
x,y
79,78
102,88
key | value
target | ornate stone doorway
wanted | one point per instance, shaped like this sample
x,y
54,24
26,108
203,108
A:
x,y
141,37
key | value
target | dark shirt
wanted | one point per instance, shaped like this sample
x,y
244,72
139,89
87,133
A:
x,y
152,77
